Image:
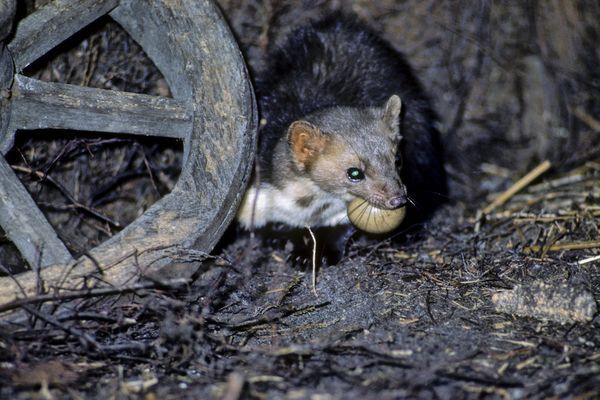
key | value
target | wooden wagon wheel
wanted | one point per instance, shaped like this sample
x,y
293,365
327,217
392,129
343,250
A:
x,y
212,111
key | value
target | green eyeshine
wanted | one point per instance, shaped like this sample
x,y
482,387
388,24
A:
x,y
355,174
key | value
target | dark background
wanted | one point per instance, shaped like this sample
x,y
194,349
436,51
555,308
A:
x,y
514,83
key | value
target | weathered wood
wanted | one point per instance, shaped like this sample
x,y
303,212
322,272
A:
x,y
194,49
201,61
7,14
25,225
38,105
43,30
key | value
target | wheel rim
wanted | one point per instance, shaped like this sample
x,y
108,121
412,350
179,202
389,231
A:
x,y
212,111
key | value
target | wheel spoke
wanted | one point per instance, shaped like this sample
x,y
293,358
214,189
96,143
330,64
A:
x,y
51,25
39,105
25,225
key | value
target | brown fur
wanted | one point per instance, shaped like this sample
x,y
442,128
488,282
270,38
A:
x,y
307,143
311,186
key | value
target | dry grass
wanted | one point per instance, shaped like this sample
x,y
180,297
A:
x,y
481,302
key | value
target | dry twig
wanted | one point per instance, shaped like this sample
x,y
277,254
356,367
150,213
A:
x,y
517,187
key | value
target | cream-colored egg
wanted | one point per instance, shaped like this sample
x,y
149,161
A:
x,y
372,219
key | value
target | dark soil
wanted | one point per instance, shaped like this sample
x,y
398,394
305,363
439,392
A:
x,y
501,304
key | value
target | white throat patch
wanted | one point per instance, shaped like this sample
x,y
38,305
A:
x,y
299,203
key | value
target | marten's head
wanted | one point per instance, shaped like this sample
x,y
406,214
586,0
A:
x,y
351,152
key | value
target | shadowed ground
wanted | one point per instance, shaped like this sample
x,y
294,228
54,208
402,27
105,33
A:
x,y
466,306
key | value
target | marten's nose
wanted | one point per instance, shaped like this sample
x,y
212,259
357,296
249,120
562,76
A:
x,y
397,201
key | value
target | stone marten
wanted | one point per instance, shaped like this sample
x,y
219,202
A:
x,y
343,117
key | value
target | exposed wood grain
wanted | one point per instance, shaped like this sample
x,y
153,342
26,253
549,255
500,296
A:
x,y
7,13
25,225
192,46
201,61
38,105
51,25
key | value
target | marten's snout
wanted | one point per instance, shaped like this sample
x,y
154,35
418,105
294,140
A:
x,y
397,201
396,197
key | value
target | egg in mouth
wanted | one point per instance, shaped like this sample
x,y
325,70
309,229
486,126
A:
x,y
371,219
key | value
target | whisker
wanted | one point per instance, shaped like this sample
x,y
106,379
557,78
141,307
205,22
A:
x,y
411,201
438,194
359,209
339,221
358,206
368,210
350,211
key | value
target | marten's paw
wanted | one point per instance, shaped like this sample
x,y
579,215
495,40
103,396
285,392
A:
x,y
329,249
300,247
299,260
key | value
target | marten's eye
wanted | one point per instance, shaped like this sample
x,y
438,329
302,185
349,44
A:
x,y
355,174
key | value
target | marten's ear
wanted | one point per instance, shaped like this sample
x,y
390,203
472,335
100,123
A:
x,y
391,114
306,142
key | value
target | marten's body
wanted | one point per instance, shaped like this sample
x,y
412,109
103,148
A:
x,y
335,129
